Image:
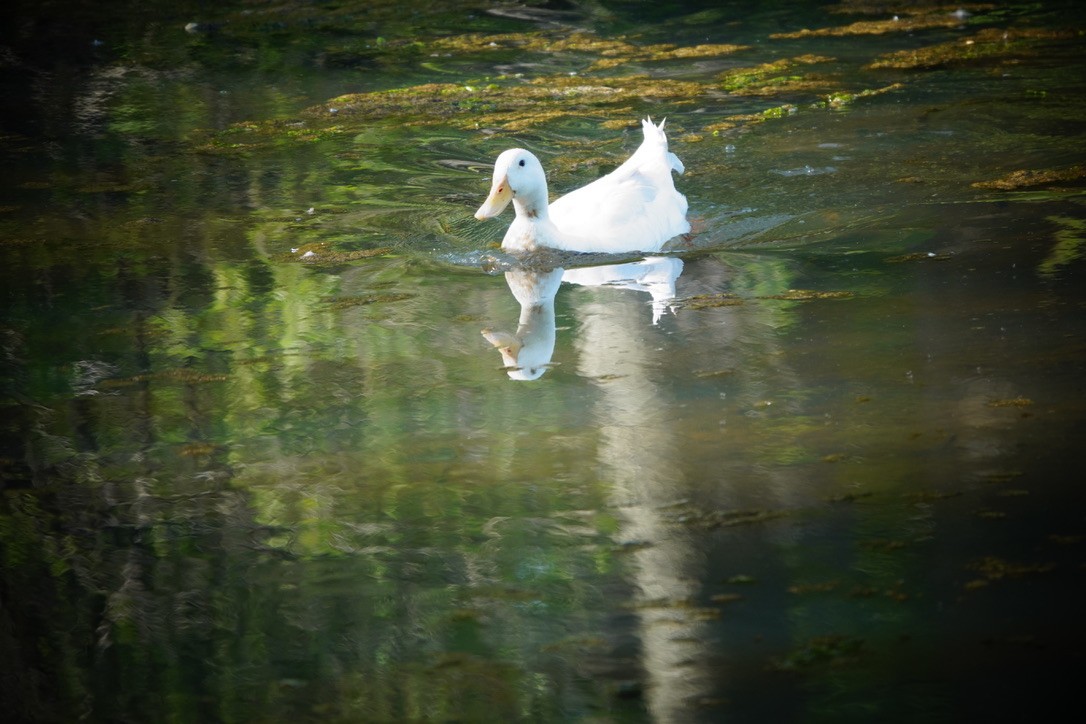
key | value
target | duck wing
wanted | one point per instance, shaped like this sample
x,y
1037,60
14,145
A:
x,y
634,208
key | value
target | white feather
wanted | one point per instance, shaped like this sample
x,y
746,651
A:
x,y
634,208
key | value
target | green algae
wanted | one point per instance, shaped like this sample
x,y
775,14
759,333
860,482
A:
x,y
340,303
767,78
807,295
990,43
323,253
711,301
515,104
608,52
879,7
1026,178
842,99
511,104
897,24
1070,246
1011,402
182,375
822,651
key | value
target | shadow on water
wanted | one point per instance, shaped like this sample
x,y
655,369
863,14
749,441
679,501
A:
x,y
811,463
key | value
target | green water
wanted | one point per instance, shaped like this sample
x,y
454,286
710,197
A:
x,y
814,463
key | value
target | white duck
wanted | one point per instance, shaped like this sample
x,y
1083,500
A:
x,y
633,208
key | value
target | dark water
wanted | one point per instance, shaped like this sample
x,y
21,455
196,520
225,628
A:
x,y
815,463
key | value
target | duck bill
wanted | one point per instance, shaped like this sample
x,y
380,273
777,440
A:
x,y
499,198
506,343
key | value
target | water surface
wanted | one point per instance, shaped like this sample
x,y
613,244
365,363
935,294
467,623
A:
x,y
813,463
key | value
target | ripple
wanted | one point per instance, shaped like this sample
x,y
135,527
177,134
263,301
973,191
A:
x,y
806,171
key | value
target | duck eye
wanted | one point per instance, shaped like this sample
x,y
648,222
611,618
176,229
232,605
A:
x,y
522,162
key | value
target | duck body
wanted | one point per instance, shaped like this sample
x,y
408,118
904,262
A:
x,y
634,208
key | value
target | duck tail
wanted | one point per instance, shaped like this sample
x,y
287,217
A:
x,y
655,134
653,131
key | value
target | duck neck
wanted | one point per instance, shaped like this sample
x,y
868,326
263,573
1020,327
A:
x,y
532,204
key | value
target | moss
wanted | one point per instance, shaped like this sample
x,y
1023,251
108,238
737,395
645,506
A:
x,y
988,43
609,52
842,99
897,24
322,253
994,569
710,301
184,375
1012,402
541,42
1029,178
512,105
821,651
366,299
1070,246
755,80
807,295
918,256
664,52
879,7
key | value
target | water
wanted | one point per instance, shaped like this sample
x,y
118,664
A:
x,y
260,464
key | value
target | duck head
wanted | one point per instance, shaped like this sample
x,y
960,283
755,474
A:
x,y
518,177
527,353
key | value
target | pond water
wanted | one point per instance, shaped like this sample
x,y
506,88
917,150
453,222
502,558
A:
x,y
814,462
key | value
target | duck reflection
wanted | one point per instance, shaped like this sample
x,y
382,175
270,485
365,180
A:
x,y
527,352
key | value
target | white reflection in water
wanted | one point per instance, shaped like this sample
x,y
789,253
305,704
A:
x,y
527,352
640,450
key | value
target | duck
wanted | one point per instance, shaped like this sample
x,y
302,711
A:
x,y
636,207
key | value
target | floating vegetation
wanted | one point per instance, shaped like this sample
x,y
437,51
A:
x,y
842,99
709,374
770,78
821,651
363,300
183,375
741,579
1012,402
929,496
516,103
883,544
871,591
324,253
197,449
1001,477
1027,178
710,301
996,569
614,51
806,295
512,104
726,519
821,587
847,497
726,597
1013,493
248,135
918,256
1069,247
988,43
879,7
904,23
